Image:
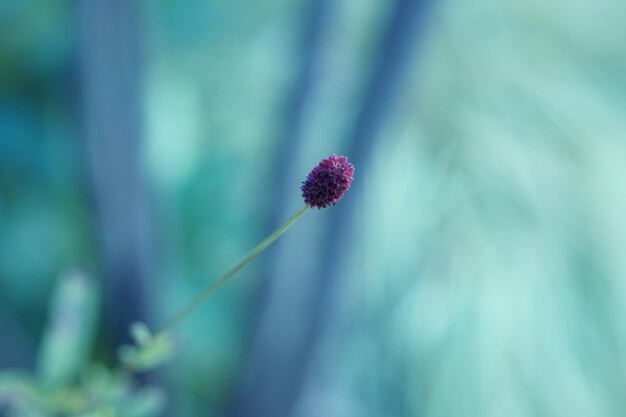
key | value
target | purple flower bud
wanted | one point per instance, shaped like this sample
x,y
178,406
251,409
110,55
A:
x,y
328,181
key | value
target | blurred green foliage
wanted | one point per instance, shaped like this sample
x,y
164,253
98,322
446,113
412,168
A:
x,y
67,383
148,350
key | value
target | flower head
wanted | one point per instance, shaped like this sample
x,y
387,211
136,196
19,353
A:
x,y
328,181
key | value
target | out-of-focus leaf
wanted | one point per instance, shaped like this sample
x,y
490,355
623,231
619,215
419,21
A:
x,y
149,350
111,393
140,333
22,395
68,339
103,385
19,394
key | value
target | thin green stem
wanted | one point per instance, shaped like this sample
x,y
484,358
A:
x,y
175,320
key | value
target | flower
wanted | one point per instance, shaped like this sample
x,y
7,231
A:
x,y
328,181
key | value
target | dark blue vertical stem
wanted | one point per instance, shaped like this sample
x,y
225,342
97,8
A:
x,y
255,395
110,102
398,46
274,382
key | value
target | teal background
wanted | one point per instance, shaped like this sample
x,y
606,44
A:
x,y
475,268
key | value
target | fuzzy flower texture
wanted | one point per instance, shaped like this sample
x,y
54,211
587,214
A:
x,y
328,181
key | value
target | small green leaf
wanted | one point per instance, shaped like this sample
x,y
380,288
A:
x,y
140,333
68,339
150,351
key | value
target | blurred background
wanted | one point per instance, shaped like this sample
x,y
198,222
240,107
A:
x,y
475,268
